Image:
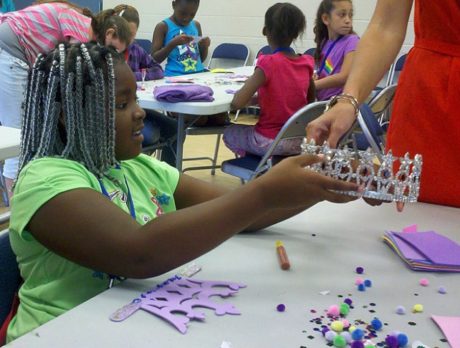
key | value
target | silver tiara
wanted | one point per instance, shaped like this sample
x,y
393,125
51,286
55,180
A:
x,y
380,182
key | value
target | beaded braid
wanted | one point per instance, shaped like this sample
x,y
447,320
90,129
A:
x,y
78,83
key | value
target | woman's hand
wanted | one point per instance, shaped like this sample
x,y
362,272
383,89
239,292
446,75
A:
x,y
333,124
290,185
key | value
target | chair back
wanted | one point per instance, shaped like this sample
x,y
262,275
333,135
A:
x,y
10,278
371,130
382,103
229,55
311,51
146,44
246,168
396,69
264,50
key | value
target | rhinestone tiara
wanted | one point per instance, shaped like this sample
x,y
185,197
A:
x,y
396,179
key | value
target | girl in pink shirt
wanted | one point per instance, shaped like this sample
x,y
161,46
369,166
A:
x,y
36,30
283,81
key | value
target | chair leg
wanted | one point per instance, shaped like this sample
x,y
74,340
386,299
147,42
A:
x,y
236,115
216,152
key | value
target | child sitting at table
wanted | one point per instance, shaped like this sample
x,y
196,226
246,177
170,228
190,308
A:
x,y
88,208
179,40
335,46
284,84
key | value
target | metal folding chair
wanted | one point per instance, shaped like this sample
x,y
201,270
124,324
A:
x,y
251,166
229,55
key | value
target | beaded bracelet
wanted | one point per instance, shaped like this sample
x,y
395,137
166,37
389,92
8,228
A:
x,y
348,97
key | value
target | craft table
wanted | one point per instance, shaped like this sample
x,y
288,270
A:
x,y
219,82
10,141
325,245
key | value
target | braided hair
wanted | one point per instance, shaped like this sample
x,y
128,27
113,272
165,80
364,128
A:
x,y
69,109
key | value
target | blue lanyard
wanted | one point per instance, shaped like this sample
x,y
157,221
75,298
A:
x,y
130,202
283,49
323,64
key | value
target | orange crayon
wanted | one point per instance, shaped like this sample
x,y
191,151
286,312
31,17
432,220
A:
x,y
282,255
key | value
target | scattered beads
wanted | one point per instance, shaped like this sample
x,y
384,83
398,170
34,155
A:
x,y
442,290
400,310
368,283
339,341
361,287
281,307
376,324
424,282
359,270
418,308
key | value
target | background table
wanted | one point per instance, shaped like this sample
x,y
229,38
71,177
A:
x,y
10,141
325,244
218,82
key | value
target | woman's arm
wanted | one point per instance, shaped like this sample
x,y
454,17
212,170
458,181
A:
x,y
339,79
85,227
250,87
376,51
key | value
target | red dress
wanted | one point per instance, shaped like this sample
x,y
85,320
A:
x,y
426,114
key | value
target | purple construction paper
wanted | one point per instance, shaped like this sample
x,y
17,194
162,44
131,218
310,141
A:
x,y
405,248
437,248
183,93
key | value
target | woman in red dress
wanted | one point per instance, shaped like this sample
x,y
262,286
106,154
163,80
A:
x,y
426,114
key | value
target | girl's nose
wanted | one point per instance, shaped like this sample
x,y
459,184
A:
x,y
139,113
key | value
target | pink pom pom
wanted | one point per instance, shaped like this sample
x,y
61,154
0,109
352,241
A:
x,y
359,281
424,282
333,311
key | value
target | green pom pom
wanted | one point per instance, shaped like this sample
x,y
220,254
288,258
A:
x,y
339,341
344,308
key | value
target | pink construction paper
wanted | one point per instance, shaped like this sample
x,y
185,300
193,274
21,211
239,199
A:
x,y
410,229
450,327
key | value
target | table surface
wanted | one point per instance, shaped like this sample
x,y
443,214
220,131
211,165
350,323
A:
x,y
219,82
325,244
10,142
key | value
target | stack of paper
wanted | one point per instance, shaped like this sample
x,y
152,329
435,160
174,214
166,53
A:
x,y
425,251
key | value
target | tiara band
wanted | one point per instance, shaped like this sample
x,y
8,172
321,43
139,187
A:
x,y
397,179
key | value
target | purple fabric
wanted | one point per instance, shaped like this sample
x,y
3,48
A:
x,y
183,93
139,59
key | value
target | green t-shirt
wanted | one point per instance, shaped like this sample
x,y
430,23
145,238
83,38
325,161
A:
x,y
53,284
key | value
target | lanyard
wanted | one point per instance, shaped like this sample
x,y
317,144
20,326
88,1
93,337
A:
x,y
283,49
323,64
130,202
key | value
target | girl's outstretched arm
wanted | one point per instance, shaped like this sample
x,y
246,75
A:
x,y
85,227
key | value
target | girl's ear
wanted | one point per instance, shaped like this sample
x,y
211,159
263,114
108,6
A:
x,y
325,18
109,35
264,31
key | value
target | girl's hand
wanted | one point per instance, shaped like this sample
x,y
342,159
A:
x,y
290,185
204,42
181,40
332,124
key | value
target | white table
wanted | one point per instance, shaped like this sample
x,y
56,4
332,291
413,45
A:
x,y
10,141
346,236
221,102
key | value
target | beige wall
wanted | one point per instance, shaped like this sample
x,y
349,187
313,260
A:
x,y
241,21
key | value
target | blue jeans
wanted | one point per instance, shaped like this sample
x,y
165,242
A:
x,y
13,83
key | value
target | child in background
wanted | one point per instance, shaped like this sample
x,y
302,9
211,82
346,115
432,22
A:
x,y
335,46
284,84
136,57
87,205
37,29
179,39
138,60
6,6
175,38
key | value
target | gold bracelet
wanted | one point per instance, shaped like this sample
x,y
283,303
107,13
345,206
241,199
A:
x,y
348,97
